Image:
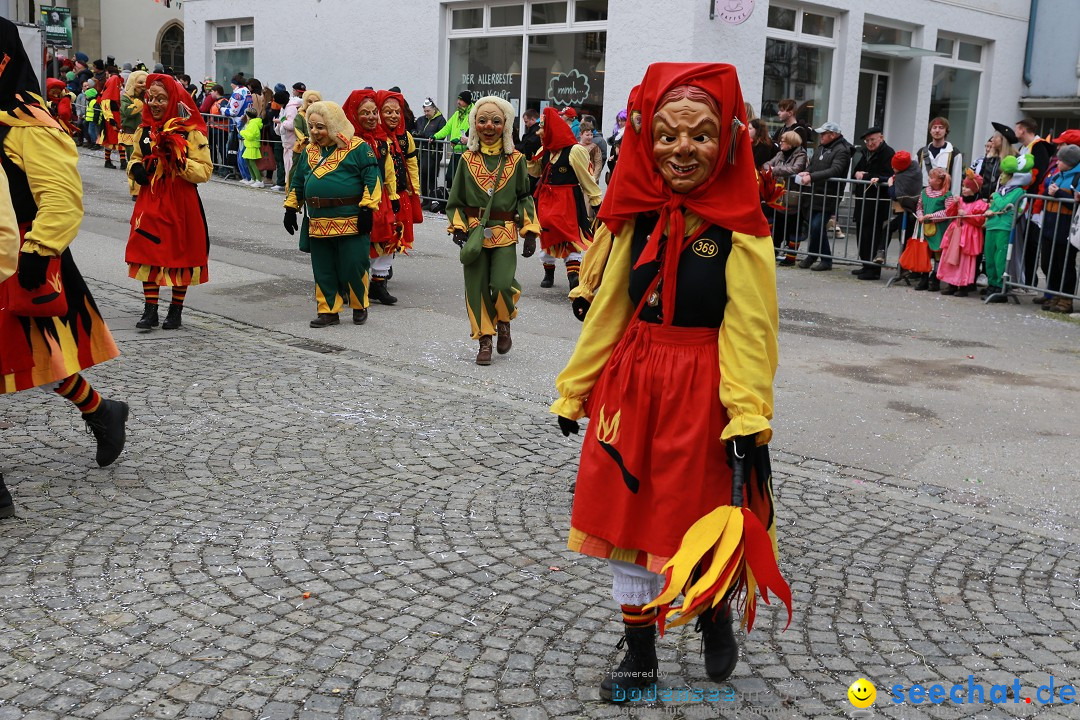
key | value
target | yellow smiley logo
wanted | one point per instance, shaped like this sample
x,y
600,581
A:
x,y
705,248
862,693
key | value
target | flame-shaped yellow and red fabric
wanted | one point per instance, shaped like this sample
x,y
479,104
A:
x,y
726,552
170,148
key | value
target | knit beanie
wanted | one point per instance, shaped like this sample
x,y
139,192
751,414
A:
x,y
1069,155
901,161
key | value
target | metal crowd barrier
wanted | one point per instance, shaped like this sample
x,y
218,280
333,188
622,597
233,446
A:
x,y
437,163
223,135
1039,250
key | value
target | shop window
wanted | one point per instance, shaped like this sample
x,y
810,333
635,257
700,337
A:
x,y
486,66
548,13
955,96
569,73
944,45
508,16
801,72
590,10
819,25
969,52
782,18
234,50
874,34
467,19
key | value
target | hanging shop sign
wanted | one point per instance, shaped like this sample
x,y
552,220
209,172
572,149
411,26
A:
x,y
566,89
734,12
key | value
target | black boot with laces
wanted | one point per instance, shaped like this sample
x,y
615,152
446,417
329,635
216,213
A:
x,y
107,423
718,643
149,317
638,667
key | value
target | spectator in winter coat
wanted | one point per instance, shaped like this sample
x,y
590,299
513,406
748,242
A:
x,y
431,122
286,128
252,135
457,131
786,164
872,200
832,160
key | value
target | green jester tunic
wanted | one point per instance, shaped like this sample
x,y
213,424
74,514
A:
x,y
333,185
491,292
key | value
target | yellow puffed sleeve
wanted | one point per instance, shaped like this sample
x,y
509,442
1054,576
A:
x,y
581,161
389,178
748,338
592,267
413,166
49,159
199,166
9,231
604,327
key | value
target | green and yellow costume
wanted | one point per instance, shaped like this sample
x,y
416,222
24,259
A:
x,y
334,184
491,292
1004,204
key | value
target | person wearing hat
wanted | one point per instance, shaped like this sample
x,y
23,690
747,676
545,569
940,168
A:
x,y
456,131
571,118
61,105
1058,255
1000,217
819,196
872,200
1000,145
940,153
962,243
431,122
905,188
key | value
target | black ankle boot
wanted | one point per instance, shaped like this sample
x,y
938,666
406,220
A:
x,y
924,281
107,425
638,667
378,292
718,641
149,317
172,319
7,505
123,164
935,283
572,278
109,164
549,277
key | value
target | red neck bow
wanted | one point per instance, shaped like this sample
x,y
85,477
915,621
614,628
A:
x,y
352,111
557,133
729,198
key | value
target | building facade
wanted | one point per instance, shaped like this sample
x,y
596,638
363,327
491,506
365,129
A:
x,y
856,62
1052,66
129,30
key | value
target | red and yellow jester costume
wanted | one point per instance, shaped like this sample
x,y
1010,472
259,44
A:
x,y
677,355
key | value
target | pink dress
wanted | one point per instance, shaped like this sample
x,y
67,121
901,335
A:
x,y
963,241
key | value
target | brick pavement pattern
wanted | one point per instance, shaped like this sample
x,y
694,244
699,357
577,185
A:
x,y
426,516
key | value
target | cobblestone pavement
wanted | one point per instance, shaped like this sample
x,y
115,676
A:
x,y
296,531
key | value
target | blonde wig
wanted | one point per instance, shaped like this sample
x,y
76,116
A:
x,y
309,97
337,124
507,111
129,88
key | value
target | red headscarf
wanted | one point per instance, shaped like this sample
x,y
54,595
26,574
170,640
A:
x,y
380,99
352,112
178,95
113,87
728,198
557,134
54,84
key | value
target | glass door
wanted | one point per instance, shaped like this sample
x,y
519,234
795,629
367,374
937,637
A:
x,y
873,97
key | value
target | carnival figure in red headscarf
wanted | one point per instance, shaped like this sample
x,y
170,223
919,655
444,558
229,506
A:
x,y
567,197
387,230
675,368
60,102
110,112
169,243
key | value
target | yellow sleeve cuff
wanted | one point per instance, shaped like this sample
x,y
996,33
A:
x,y
568,407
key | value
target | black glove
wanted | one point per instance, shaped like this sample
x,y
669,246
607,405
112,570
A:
x,y
363,221
568,426
460,237
32,269
396,205
138,174
529,247
290,222
580,306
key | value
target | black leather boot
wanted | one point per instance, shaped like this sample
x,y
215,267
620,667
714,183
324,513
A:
x,y
549,277
935,283
7,505
172,319
123,164
107,425
378,292
638,667
572,278
149,317
924,281
718,641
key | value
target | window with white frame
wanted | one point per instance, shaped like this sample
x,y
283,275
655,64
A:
x,y
955,91
533,53
234,49
799,49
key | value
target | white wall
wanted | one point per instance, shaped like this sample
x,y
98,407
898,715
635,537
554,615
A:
x,y
130,29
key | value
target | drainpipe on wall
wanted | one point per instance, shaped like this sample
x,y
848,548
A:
x,y
1030,41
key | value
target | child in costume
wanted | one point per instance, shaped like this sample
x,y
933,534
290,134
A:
x,y
963,240
169,243
40,214
675,367
491,172
566,197
931,213
338,181
1000,218
251,134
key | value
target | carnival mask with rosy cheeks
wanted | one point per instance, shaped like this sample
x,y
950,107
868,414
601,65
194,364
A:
x,y
391,114
489,124
686,143
368,114
320,135
140,86
157,99
55,93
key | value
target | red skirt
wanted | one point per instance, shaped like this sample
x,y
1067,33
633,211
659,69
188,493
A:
x,y
652,462
168,226
564,221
